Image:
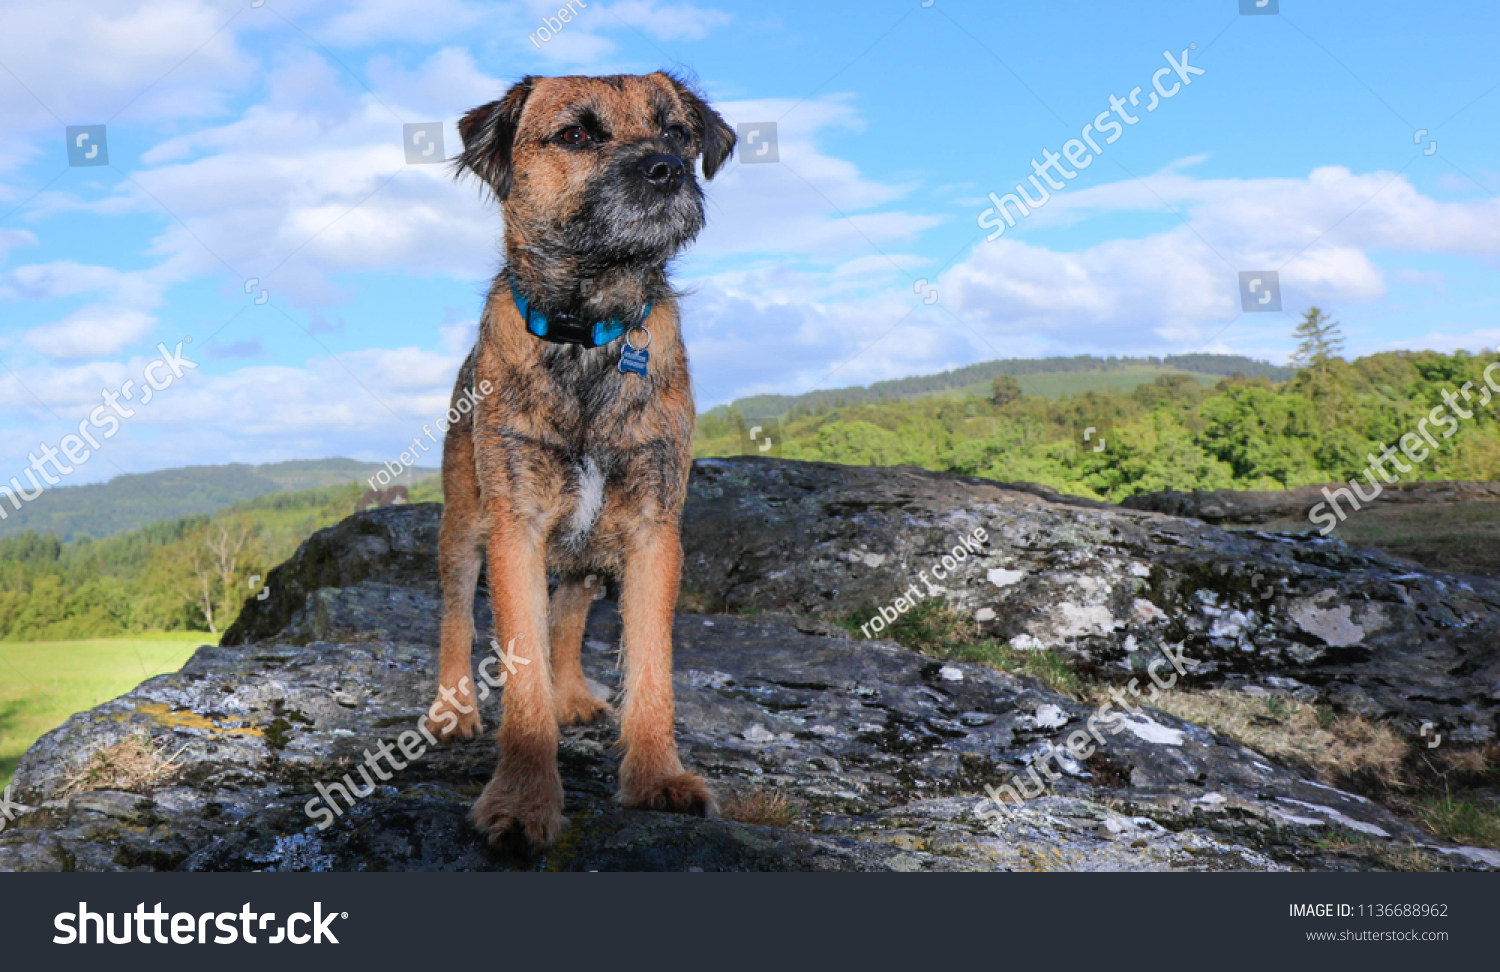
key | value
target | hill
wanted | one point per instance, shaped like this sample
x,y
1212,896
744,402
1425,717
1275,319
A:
x,y
1323,426
188,573
1049,377
135,500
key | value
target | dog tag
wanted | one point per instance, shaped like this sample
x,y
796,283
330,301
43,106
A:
x,y
634,358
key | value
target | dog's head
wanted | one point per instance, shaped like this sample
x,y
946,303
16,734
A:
x,y
595,174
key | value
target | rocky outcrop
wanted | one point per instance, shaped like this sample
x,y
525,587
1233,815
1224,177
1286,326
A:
x,y
1106,587
881,754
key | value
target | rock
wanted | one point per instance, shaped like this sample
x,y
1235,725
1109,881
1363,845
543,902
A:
x,y
1089,580
885,755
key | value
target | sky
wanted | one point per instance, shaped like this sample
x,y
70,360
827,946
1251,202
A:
x,y
255,203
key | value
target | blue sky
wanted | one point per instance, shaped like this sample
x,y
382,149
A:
x,y
265,142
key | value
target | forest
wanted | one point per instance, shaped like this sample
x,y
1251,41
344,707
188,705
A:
x,y
1243,432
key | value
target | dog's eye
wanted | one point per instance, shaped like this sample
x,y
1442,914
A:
x,y
676,133
577,135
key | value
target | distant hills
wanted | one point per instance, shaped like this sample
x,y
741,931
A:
x,y
1050,377
135,500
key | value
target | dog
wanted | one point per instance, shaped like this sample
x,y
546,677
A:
x,y
577,463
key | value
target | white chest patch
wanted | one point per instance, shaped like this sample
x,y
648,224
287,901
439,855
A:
x,y
590,501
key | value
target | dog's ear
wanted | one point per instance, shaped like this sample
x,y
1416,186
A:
x,y
714,134
489,133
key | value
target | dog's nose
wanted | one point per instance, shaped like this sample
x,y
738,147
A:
x,y
665,172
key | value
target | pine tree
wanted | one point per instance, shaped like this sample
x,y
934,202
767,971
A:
x,y
1004,390
1318,342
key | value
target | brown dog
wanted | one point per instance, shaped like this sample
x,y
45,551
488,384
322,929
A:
x,y
576,464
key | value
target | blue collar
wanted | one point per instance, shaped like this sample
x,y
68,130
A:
x,y
564,330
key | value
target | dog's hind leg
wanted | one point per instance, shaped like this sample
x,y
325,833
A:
x,y
521,807
455,713
575,704
651,775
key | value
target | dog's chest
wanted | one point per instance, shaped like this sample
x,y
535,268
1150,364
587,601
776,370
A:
x,y
583,499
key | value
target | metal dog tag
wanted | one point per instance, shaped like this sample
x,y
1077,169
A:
x,y
634,358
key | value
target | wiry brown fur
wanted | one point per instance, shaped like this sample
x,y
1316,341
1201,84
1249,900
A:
x,y
581,238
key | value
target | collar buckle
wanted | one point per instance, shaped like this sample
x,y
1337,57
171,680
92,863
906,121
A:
x,y
566,329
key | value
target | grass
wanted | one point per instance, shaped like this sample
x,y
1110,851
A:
x,y
1337,747
934,628
1461,821
44,682
133,764
764,808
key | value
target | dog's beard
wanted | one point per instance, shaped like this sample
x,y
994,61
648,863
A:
x,y
624,221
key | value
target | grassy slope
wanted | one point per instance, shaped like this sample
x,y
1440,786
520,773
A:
x,y
1050,384
1055,375
44,682
1057,384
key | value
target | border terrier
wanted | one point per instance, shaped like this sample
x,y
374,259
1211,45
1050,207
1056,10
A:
x,y
578,463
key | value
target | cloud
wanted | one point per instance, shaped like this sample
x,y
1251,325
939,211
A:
x,y
150,59
247,348
94,331
811,206
100,328
1179,286
669,21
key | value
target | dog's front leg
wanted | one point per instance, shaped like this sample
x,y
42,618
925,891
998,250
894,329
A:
x,y
651,775
521,807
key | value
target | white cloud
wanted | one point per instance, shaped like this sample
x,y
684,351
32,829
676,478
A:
x,y
101,328
1179,286
809,206
94,331
669,21
82,59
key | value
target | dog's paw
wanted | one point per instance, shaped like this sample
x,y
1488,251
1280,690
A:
x,y
449,722
581,708
519,821
680,793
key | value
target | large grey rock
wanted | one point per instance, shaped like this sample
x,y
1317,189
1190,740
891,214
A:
x,y
884,752
1105,586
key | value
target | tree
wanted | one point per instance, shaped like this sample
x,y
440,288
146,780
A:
x,y
1004,390
207,567
1318,342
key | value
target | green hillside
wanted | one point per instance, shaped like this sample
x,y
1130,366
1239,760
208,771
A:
x,y
135,500
1048,377
190,573
1172,432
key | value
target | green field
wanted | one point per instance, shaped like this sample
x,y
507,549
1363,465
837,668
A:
x,y
44,682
